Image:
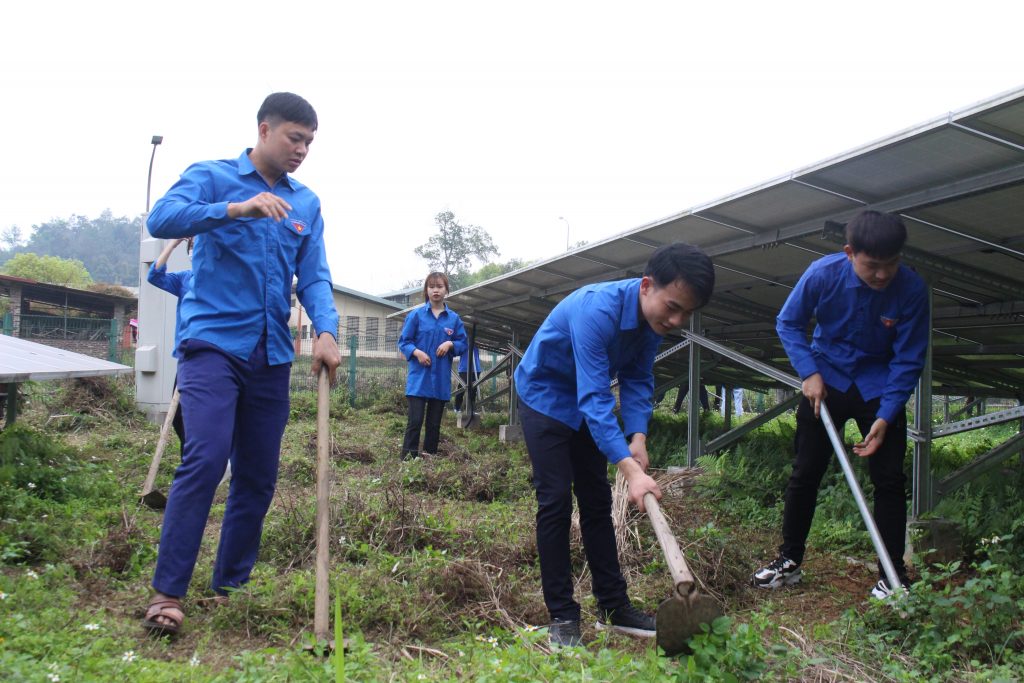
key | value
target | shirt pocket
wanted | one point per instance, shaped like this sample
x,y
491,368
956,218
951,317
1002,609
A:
x,y
883,332
292,233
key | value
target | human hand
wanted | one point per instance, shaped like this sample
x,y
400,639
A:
x,y
638,450
423,358
325,352
638,483
444,348
814,389
873,441
263,205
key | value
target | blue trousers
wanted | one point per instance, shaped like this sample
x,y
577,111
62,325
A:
x,y
567,462
230,405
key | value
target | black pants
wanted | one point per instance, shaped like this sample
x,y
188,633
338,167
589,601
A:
x,y
433,409
813,455
681,396
565,462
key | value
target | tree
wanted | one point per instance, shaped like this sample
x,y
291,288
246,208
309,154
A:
x,y
454,247
489,270
11,237
51,269
107,246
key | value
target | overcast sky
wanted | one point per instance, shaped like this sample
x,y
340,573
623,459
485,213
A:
x,y
511,115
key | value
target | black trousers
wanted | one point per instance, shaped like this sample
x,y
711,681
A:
x,y
813,455
433,410
567,462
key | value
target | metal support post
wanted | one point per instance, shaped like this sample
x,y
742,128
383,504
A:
x,y
693,446
921,498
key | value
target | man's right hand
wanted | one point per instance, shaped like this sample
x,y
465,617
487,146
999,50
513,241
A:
x,y
638,482
263,205
814,389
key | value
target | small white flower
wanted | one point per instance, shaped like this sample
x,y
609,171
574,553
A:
x,y
395,568
341,540
53,677
194,661
31,574
92,627
3,596
461,653
128,656
31,485
421,677
63,479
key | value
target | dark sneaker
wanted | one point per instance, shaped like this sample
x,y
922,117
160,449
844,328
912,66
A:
x,y
780,572
626,619
882,591
564,633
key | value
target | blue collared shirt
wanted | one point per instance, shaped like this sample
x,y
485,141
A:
x,y
425,332
178,283
243,268
873,339
594,335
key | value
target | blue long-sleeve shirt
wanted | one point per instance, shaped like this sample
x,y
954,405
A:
x,y
875,340
464,361
425,332
594,335
178,283
243,268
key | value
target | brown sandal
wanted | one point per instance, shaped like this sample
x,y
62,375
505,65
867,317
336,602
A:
x,y
168,608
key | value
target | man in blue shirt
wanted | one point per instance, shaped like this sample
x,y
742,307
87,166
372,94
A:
x,y
864,361
566,406
256,228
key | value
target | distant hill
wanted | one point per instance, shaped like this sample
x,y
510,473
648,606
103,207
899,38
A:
x,y
108,246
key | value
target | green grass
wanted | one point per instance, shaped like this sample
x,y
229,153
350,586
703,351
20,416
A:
x,y
434,566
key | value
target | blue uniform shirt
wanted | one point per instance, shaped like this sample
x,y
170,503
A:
x,y
873,339
464,361
425,332
594,335
178,283
243,268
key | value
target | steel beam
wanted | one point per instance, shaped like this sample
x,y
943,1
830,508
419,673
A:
x,y
730,437
980,465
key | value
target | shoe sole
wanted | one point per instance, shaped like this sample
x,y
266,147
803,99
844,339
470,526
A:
x,y
628,630
790,580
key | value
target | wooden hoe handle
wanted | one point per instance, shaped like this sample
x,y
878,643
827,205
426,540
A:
x,y
673,556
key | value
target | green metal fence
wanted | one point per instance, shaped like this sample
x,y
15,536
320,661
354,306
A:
x,y
97,337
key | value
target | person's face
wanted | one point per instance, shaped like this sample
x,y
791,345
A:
x,y
666,308
285,144
876,273
436,291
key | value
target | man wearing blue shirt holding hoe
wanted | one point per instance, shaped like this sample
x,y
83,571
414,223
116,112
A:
x,y
864,361
256,228
566,406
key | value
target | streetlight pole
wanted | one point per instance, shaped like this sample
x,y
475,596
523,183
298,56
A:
x,y
157,139
561,218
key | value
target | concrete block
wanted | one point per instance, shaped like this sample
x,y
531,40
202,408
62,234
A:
x,y
940,541
510,433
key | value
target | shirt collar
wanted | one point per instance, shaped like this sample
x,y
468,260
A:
x,y
631,306
426,307
246,167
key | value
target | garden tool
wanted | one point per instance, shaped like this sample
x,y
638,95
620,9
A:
x,y
149,496
680,616
321,595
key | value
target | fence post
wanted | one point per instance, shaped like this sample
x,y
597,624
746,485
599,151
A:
x,y
494,377
8,324
112,355
353,344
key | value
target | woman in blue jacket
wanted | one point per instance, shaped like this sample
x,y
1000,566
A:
x,y
433,334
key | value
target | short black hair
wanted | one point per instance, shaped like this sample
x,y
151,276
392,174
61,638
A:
x,y
286,106
877,234
681,261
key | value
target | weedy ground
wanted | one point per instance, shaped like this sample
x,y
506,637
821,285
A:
x,y
434,564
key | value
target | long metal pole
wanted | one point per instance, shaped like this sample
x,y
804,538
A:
x,y
837,445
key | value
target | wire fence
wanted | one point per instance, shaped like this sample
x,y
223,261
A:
x,y
96,337
373,371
